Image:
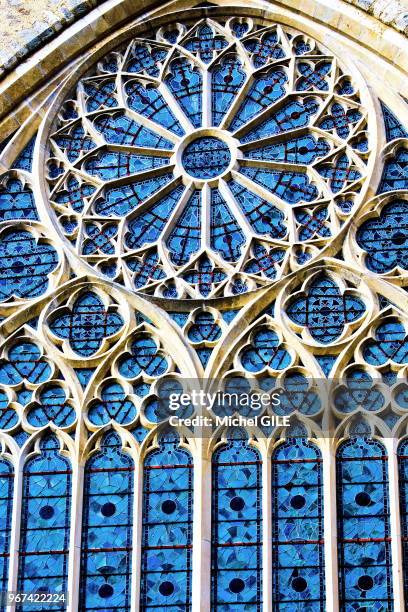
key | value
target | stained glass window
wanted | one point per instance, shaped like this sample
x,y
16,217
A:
x,y
403,491
45,524
166,563
6,507
230,160
212,112
107,520
236,566
297,524
363,525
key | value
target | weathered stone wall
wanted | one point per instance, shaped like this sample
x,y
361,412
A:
x,y
27,24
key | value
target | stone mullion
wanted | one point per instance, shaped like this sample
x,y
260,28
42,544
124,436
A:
x,y
267,531
201,581
328,450
16,523
136,568
395,525
74,560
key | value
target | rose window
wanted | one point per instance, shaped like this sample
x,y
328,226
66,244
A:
x,y
220,161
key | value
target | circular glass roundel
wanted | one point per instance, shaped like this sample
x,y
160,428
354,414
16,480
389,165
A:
x,y
146,193
206,157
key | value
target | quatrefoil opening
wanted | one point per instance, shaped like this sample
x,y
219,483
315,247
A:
x,y
86,325
322,311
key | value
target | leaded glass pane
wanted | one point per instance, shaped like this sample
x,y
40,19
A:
x,y
107,528
297,520
236,567
45,524
166,563
363,525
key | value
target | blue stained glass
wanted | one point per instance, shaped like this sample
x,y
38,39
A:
x,y
74,142
393,127
84,375
8,416
326,362
172,36
385,238
303,150
107,529
179,317
24,362
403,488
395,173
313,225
25,265
185,238
292,115
17,201
45,525
227,80
148,226
340,120
390,344
236,565
205,276
226,235
264,261
297,521
146,58
297,396
185,83
145,269
265,49
340,172
239,29
87,324
313,77
264,91
110,165
301,46
324,310
25,160
363,526
74,195
265,351
205,43
167,527
206,157
100,94
114,405
264,217
51,407
6,505
120,129
238,286
99,239
204,329
359,392
148,101
292,187
144,357
121,200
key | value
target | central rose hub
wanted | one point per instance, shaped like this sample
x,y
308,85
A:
x,y
206,157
